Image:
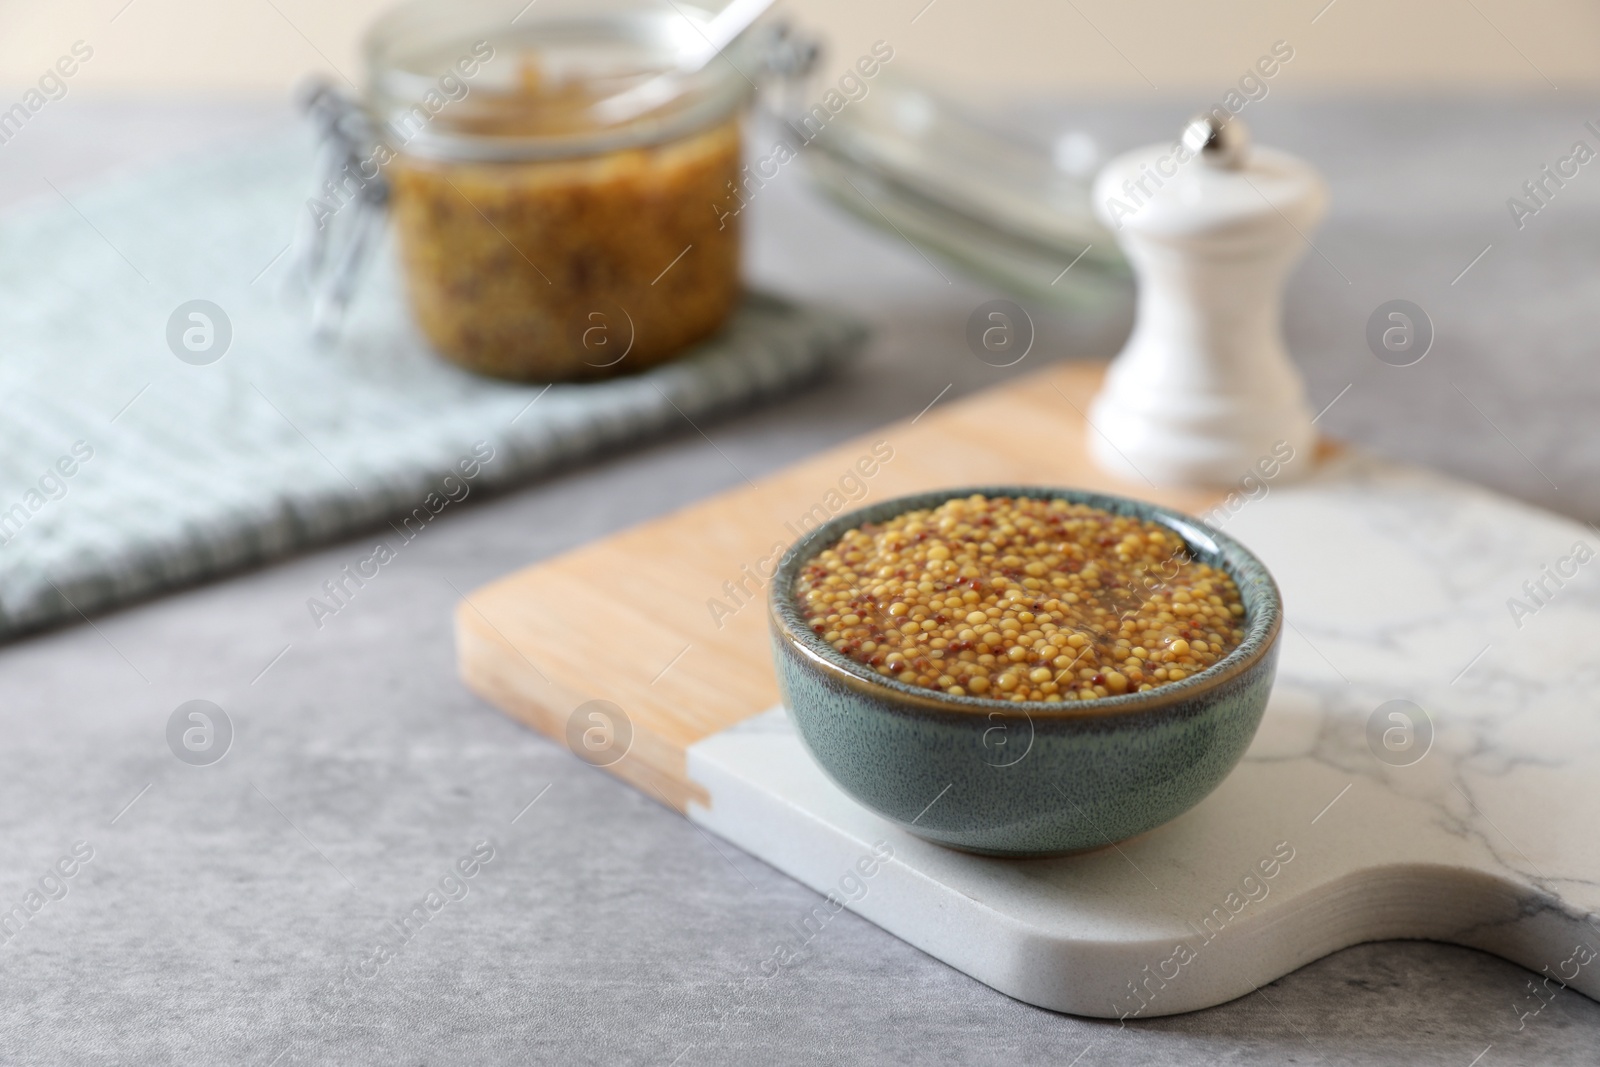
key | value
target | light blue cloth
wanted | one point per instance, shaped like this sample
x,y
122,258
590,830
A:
x,y
192,471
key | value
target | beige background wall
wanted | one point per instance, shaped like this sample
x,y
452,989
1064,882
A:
x,y
994,44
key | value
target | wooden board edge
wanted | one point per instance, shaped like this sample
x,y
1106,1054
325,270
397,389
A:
x,y
649,765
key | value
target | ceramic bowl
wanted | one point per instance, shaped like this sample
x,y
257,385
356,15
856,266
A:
x,y
1026,778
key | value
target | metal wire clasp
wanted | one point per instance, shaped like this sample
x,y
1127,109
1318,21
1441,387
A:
x,y
344,216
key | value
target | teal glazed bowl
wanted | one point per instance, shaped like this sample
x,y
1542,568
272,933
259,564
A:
x,y
1028,778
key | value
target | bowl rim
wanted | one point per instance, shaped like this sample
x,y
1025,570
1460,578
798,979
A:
x,y
1265,624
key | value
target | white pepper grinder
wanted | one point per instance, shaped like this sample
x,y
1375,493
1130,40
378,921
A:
x,y
1204,393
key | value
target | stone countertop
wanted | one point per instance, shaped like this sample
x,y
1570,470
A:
x,y
221,902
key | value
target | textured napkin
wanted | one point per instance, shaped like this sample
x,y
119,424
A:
x,y
125,470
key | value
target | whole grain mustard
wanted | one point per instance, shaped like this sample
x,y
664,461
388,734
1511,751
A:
x,y
1021,599
587,266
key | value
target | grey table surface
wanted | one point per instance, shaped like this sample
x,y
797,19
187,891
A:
x,y
607,929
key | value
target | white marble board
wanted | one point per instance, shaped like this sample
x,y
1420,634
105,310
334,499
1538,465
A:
x,y
1399,584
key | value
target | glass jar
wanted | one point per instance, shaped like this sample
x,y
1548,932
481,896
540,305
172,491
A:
x,y
555,181
1005,202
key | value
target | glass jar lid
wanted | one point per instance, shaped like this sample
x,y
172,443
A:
x,y
505,80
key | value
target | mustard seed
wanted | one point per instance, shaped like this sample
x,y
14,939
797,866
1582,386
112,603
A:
x,y
1023,599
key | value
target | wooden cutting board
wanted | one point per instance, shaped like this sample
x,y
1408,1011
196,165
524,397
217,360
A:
x,y
667,621
1426,767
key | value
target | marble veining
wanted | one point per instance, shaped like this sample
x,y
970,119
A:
x,y
1396,584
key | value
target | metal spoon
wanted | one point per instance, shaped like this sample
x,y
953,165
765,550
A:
x,y
716,35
